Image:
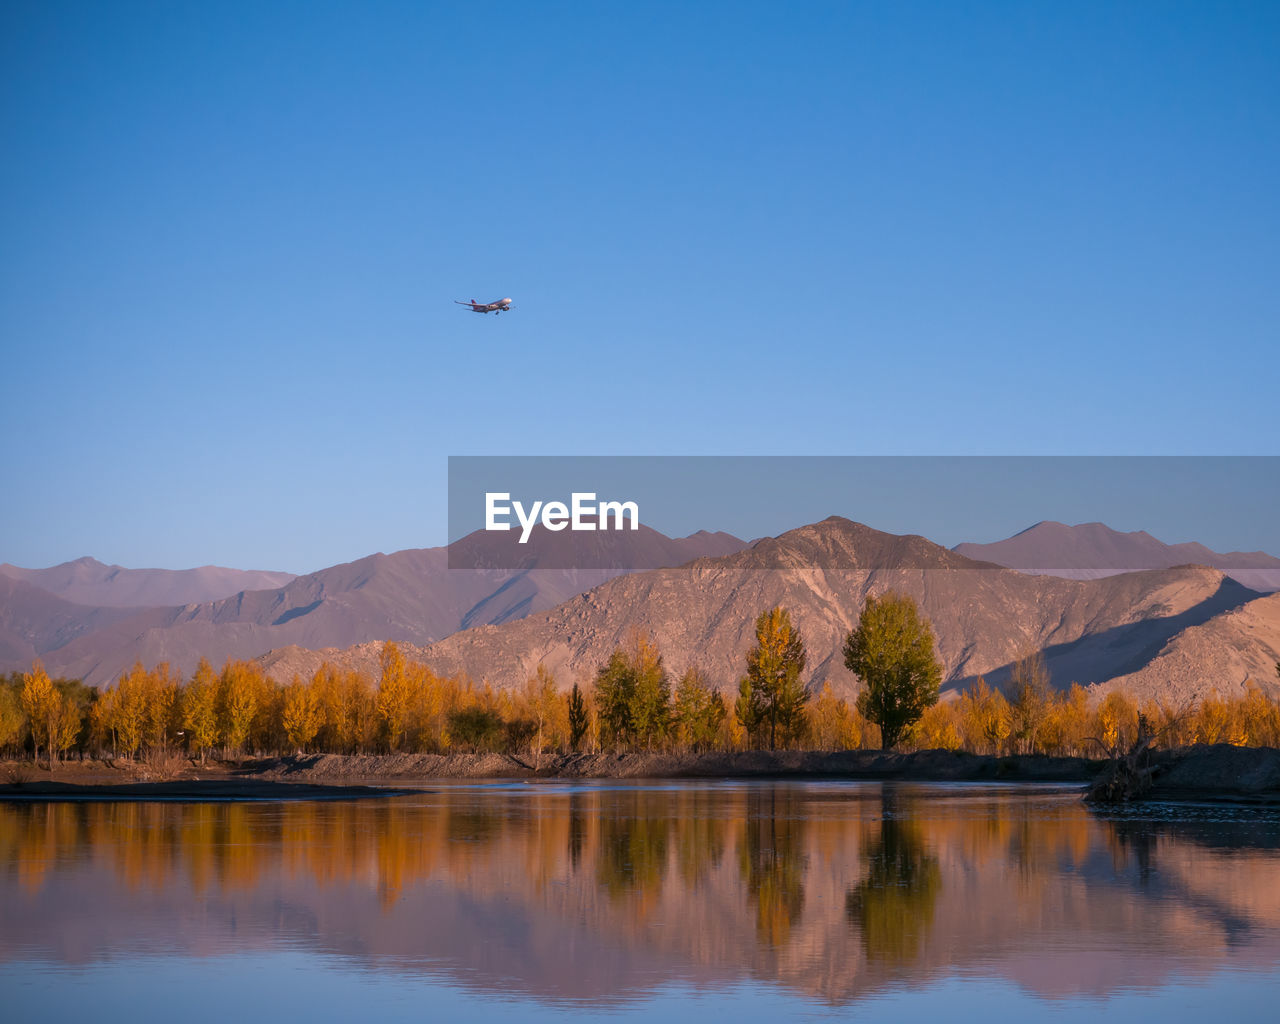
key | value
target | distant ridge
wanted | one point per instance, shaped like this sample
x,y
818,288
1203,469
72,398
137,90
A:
x,y
33,621
88,581
1094,551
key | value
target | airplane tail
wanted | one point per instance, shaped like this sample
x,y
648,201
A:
x,y
474,303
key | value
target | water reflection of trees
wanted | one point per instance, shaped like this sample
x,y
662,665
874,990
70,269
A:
x,y
475,824
700,837
893,906
772,859
577,830
790,881
634,839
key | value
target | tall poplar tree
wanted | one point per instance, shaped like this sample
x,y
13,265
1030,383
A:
x,y
395,695
200,709
770,696
577,717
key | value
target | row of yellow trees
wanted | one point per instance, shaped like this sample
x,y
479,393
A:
x,y
239,711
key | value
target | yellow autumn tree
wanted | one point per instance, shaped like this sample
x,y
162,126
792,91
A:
x,y
395,696
200,709
1029,702
984,718
64,723
1116,721
13,721
349,718
268,725
432,705
1051,734
1259,717
241,688
102,721
335,730
130,710
302,713
834,724
547,711
1077,725
938,728
38,697
162,710
53,717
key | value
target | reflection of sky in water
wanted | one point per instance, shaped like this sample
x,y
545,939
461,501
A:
x,y
293,986
759,900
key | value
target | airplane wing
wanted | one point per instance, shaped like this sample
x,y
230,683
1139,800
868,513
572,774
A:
x,y
461,303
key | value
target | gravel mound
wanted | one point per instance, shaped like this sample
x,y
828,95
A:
x,y
1221,770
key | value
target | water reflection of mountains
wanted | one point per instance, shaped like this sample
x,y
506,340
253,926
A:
x,y
594,893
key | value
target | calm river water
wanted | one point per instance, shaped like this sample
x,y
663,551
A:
x,y
762,901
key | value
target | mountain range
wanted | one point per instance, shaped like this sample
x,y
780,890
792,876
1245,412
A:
x,y
984,617
410,595
1173,631
1093,551
88,581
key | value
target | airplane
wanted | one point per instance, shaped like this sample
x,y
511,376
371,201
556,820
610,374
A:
x,y
486,307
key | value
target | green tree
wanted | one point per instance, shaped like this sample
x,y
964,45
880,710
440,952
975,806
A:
x,y
699,711
633,696
651,699
477,727
893,906
770,694
891,651
577,717
614,686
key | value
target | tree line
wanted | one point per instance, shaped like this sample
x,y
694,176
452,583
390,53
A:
x,y
631,703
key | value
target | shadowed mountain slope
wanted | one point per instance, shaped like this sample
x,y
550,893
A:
x,y
1094,551
1223,654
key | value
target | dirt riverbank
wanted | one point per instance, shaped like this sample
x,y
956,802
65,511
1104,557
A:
x,y
932,765
1198,773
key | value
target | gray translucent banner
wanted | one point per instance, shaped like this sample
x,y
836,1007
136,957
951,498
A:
x,y
1124,512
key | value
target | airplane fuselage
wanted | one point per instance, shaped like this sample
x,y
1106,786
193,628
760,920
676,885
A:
x,y
500,306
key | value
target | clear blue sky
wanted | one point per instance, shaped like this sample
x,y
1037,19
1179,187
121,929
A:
x,y
232,234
